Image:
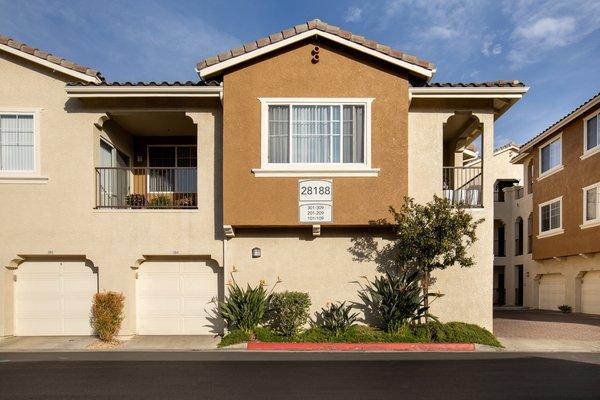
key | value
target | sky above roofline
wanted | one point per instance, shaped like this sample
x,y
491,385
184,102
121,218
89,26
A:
x,y
551,45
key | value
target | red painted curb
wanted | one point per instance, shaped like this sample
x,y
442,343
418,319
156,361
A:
x,y
361,346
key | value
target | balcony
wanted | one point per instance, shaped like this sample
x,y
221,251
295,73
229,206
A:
x,y
146,188
462,186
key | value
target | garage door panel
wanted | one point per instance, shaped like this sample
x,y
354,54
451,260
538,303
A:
x,y
54,298
173,298
197,284
39,307
590,293
31,326
197,306
195,324
160,267
40,285
158,305
551,292
78,325
161,326
159,284
78,285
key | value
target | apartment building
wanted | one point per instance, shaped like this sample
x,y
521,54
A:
x,y
284,152
556,217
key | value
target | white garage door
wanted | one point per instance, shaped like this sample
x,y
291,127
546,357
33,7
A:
x,y
176,298
552,292
590,293
54,298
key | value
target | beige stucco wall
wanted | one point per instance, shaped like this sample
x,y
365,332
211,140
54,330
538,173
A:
x,y
321,266
58,216
468,292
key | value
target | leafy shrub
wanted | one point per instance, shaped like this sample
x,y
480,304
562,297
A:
x,y
244,309
288,312
453,332
107,314
396,300
160,201
565,308
338,317
235,337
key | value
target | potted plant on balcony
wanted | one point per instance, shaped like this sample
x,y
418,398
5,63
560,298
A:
x,y
135,200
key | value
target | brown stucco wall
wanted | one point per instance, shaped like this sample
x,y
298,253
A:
x,y
269,201
577,174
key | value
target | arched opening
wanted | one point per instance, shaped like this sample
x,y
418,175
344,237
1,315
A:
x,y
462,162
518,236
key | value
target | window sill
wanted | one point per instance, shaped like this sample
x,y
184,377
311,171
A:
x,y
315,172
590,224
550,172
27,179
590,152
553,232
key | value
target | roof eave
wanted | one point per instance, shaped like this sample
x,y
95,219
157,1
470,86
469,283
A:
x,y
143,91
48,64
215,69
560,124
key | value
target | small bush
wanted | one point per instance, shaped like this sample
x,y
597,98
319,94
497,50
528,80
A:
x,y
565,308
288,312
396,300
235,337
160,201
107,314
338,317
244,309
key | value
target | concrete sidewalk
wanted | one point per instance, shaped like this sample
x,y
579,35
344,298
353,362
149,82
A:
x,y
520,344
91,343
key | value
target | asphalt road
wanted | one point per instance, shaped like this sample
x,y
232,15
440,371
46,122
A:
x,y
237,375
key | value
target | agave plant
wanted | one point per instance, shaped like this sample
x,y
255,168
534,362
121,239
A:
x,y
338,317
397,299
244,309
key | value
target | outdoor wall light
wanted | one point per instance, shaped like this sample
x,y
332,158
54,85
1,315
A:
x,y
255,252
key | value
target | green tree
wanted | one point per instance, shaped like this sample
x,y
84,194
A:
x,y
429,237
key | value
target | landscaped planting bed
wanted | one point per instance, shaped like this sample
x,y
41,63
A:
x,y
452,332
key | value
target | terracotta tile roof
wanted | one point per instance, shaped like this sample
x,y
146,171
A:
x,y
321,26
506,146
558,123
150,83
476,84
15,44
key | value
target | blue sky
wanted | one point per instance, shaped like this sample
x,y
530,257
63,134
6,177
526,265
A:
x,y
552,45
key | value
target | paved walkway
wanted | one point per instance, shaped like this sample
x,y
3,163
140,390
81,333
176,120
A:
x,y
538,330
89,343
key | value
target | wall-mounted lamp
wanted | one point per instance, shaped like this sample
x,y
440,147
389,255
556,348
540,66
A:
x,y
139,159
256,252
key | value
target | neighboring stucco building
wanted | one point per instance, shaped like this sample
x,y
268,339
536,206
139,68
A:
x,y
560,208
284,153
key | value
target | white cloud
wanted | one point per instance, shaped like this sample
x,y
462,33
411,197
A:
x,y
551,32
441,32
353,14
489,48
544,26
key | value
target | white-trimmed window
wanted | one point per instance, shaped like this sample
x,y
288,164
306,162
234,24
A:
x,y
551,156
551,217
591,204
17,143
591,134
313,136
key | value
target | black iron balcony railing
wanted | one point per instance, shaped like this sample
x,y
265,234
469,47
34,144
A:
x,y
462,185
146,187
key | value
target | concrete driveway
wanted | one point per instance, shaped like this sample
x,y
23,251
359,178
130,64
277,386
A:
x,y
539,330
